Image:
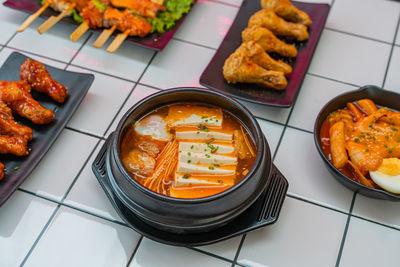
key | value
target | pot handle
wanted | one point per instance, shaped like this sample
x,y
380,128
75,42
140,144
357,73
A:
x,y
99,164
273,197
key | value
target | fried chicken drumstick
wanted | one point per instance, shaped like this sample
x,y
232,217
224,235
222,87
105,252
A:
x,y
10,127
268,41
13,145
268,19
18,97
240,67
35,74
286,10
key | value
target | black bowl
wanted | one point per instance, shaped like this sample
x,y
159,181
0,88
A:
x,y
189,215
381,98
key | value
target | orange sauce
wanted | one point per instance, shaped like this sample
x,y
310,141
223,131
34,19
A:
x,y
221,182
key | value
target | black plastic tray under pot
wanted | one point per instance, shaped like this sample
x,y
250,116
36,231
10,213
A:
x,y
381,98
264,211
178,215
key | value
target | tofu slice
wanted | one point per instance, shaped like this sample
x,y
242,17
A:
x,y
181,115
206,169
204,148
204,158
180,180
203,135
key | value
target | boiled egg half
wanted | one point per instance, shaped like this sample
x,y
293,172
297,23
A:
x,y
387,175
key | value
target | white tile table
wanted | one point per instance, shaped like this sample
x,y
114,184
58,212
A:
x,y
61,217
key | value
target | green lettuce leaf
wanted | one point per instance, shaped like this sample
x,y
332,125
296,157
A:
x,y
175,9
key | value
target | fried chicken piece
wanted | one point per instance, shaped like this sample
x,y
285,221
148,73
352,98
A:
x,y
36,75
286,10
268,19
13,145
268,41
127,21
145,8
239,68
257,54
17,96
10,127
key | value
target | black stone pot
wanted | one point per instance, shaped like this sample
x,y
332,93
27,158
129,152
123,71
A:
x,y
187,215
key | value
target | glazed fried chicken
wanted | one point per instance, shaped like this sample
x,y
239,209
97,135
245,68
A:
x,y
17,96
240,68
10,127
13,145
145,8
268,41
127,21
286,10
36,75
256,53
268,19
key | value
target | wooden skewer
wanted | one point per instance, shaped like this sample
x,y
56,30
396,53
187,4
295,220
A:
x,y
79,31
50,22
118,41
32,18
103,37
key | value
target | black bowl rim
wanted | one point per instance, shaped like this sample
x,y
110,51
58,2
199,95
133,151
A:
x,y
365,88
259,135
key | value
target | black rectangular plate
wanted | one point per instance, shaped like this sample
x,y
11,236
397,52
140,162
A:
x,y
153,41
43,135
213,78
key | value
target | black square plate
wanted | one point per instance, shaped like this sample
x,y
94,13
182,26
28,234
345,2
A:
x,y
153,41
19,168
213,78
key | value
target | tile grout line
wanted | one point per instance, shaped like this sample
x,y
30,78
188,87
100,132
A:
x,y
35,54
9,40
358,35
58,206
78,51
209,254
40,235
346,228
332,79
225,3
315,203
193,43
239,249
86,133
130,93
65,195
134,251
71,207
391,52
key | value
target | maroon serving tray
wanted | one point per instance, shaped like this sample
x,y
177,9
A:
x,y
153,41
213,78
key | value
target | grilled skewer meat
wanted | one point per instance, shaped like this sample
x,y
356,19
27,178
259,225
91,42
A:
x,y
145,8
127,21
18,97
36,75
